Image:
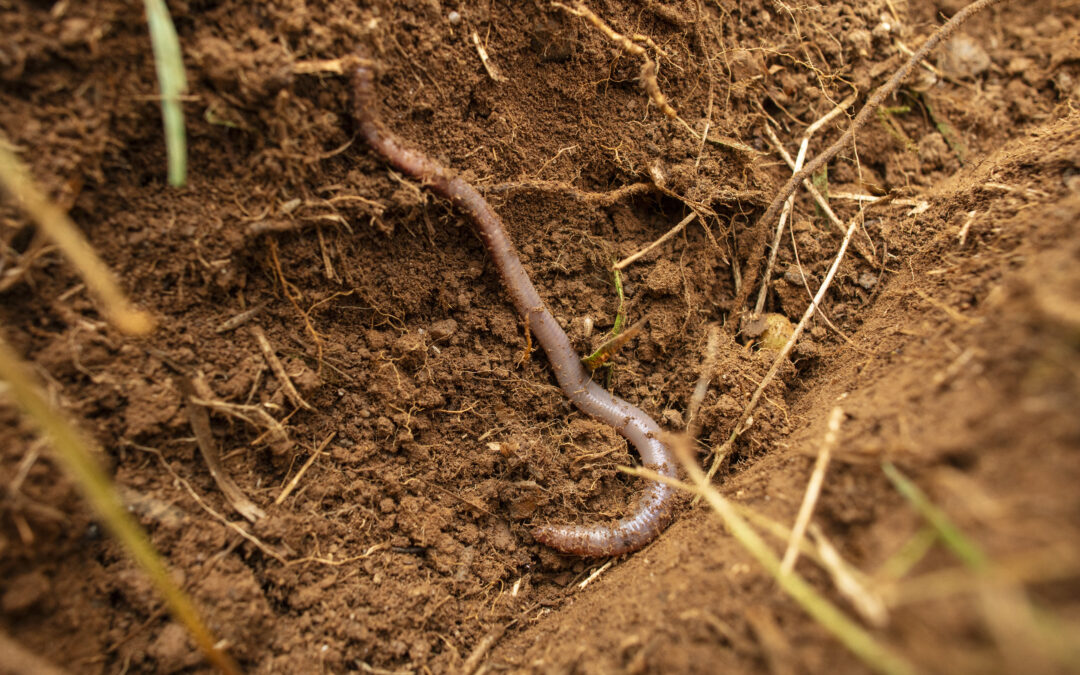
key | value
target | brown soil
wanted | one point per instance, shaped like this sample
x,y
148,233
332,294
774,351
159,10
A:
x,y
406,543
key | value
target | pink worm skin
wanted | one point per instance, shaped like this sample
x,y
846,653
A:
x,y
654,510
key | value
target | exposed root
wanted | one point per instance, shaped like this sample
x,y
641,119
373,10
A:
x,y
200,424
647,74
274,362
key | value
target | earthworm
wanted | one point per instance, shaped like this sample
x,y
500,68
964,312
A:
x,y
654,508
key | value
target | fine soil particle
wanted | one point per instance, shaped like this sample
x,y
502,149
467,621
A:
x,y
950,337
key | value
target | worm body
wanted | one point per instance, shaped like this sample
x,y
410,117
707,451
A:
x,y
653,511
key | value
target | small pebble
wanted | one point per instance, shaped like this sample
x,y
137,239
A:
x,y
794,276
963,57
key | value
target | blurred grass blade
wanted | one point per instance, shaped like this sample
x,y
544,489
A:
x,y
853,636
172,83
80,465
58,227
950,535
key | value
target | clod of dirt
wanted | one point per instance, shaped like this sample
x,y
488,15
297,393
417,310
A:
x,y
25,592
753,326
673,418
172,651
441,330
963,57
665,278
255,75
409,348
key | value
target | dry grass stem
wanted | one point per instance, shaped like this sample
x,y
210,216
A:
x,y
59,228
790,203
279,370
847,631
76,458
813,490
741,426
596,573
869,604
254,415
965,228
865,115
25,464
629,260
333,66
204,437
492,71
303,469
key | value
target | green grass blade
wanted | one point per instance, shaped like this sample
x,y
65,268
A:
x,y
951,536
69,448
853,636
172,83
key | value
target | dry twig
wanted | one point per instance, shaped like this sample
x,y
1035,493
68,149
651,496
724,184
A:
x,y
864,116
813,489
279,370
622,264
742,424
200,424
